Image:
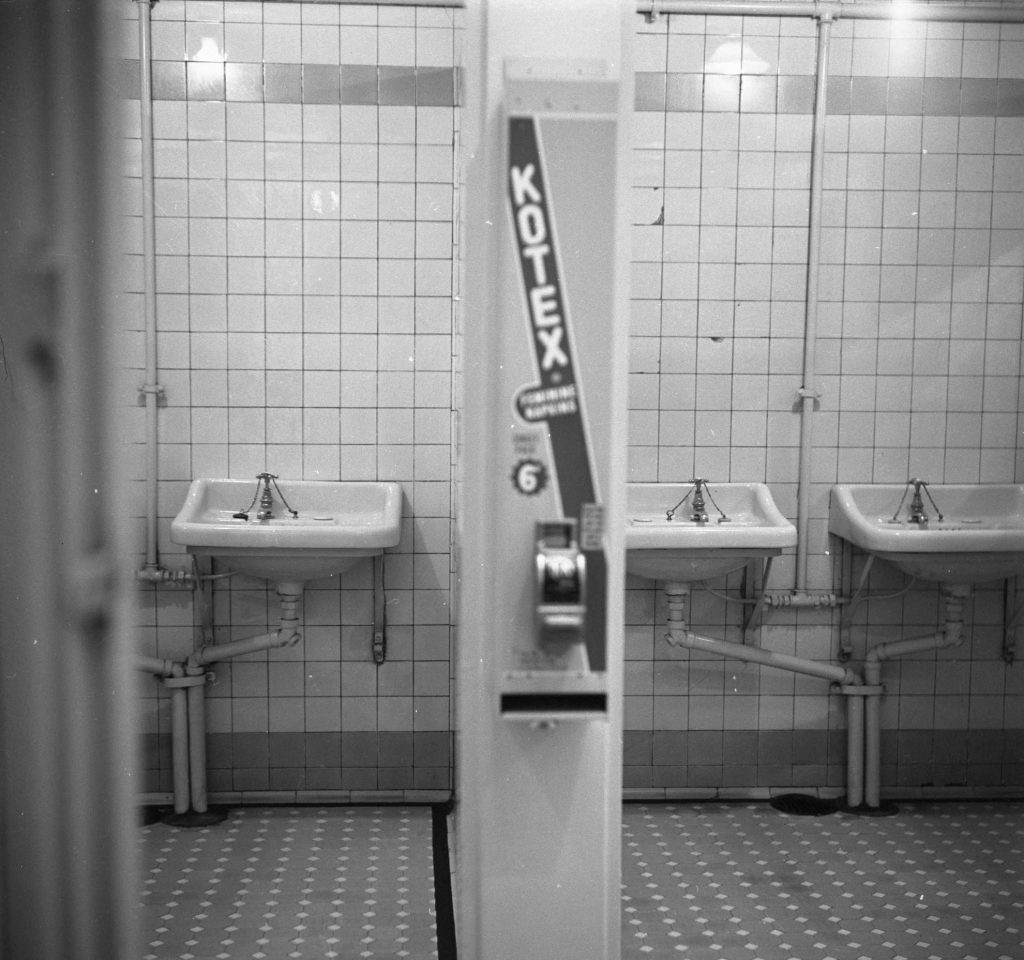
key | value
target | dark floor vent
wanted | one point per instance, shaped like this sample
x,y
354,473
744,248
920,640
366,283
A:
x,y
802,805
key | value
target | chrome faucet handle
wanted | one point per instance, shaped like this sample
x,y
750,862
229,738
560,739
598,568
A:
x,y
917,514
267,500
699,486
266,511
920,485
917,511
244,514
694,485
700,512
703,487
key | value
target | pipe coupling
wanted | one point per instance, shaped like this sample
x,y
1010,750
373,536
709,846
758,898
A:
x,y
677,636
798,599
150,574
862,689
192,680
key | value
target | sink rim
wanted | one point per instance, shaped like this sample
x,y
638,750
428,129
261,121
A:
x,y
686,552
871,530
737,536
373,528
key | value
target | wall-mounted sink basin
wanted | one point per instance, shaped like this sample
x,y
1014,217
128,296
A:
x,y
338,523
980,536
683,550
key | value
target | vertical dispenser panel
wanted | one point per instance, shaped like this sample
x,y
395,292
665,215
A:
x,y
542,479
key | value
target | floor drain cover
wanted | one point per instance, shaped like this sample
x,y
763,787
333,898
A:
x,y
804,806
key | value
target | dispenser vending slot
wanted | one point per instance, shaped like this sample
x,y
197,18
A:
x,y
561,584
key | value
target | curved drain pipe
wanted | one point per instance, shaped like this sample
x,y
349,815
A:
x,y
863,694
187,682
186,733
950,635
848,681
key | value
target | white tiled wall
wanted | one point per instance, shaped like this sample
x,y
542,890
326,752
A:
x,y
919,354
305,260
304,276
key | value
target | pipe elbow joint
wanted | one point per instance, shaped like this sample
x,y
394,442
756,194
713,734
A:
x,y
872,670
677,637
195,664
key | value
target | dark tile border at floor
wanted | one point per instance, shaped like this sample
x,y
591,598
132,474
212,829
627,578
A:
x,y
445,920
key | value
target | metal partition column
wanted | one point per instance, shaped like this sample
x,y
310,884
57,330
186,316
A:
x,y
542,482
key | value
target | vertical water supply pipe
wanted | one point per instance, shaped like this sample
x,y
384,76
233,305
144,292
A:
x,y
854,746
181,685
808,393
171,674
196,694
188,744
179,743
151,390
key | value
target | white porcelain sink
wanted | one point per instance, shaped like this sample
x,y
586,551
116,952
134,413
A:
x,y
338,523
683,550
980,536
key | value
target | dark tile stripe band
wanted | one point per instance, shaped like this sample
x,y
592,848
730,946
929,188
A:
x,y
854,96
347,85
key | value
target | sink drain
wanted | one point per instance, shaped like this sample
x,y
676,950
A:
x,y
802,805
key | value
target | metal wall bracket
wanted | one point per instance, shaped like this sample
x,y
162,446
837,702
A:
x,y
754,597
146,389
202,568
846,620
1013,614
379,646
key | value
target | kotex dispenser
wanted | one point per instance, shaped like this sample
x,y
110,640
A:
x,y
543,312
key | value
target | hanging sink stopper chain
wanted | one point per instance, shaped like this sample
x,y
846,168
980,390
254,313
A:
x,y
266,499
699,514
917,514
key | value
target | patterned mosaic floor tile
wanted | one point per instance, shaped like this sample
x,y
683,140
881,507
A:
x,y
709,881
291,883
726,881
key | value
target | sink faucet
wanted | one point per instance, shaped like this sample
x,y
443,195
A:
x,y
700,512
266,499
917,514
266,510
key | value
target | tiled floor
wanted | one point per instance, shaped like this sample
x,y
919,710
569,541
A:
x,y
708,881
935,882
282,883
